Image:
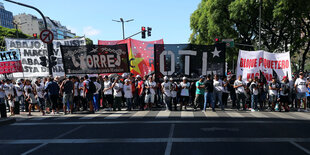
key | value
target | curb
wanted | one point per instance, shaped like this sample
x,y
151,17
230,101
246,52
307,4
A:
x,y
6,121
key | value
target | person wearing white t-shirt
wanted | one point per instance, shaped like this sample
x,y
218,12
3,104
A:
x,y
128,94
39,89
107,92
150,87
239,86
301,89
166,90
184,96
254,94
174,88
218,91
118,89
19,93
273,92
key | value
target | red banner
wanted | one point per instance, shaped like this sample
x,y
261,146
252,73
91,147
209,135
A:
x,y
141,54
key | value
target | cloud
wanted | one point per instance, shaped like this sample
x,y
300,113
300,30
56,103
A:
x,y
90,31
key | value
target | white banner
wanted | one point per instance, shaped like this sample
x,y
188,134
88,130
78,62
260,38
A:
x,y
251,63
31,51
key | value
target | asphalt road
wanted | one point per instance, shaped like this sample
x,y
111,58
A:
x,y
159,132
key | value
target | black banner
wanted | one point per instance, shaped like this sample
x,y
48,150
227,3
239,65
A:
x,y
95,59
178,60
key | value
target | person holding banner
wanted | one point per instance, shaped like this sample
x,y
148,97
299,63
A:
x,y
239,85
301,89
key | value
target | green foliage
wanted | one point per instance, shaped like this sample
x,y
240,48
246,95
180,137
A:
x,y
89,41
9,33
285,25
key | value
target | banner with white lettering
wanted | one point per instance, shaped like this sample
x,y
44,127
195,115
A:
x,y
32,49
178,60
251,63
95,59
10,62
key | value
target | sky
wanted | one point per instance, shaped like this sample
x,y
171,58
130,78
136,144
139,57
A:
x,y
169,19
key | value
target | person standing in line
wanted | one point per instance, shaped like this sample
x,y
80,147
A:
x,y
32,102
107,91
240,92
118,88
218,91
200,90
19,93
209,93
128,94
96,99
67,87
301,89
254,94
89,89
39,89
150,87
173,94
166,89
53,93
185,86
273,93
284,91
225,92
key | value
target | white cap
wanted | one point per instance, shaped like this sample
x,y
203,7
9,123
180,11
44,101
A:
x,y
127,80
166,78
171,79
138,76
184,78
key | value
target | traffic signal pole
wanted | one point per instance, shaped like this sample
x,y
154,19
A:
x,y
50,45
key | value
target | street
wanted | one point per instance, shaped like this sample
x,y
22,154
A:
x,y
159,132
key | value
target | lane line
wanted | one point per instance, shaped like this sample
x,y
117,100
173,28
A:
x,y
152,140
41,145
187,114
169,143
300,147
163,114
140,114
161,122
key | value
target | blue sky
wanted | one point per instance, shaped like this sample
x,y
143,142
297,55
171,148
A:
x,y
169,19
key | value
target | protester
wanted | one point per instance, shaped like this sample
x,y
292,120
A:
x,y
218,91
254,94
239,85
107,91
284,91
89,89
150,87
208,96
301,89
225,92
53,93
67,88
173,94
39,89
19,89
232,91
96,100
140,91
118,88
200,90
273,93
128,94
166,90
184,96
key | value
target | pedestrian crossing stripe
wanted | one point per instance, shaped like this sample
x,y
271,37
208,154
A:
x,y
140,114
163,114
233,114
281,115
211,114
115,115
258,114
187,114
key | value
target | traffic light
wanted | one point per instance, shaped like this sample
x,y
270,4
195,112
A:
x,y
149,30
35,36
216,40
143,32
53,61
43,61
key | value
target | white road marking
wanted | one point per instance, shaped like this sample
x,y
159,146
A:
x,y
115,115
220,129
300,147
210,114
282,115
258,114
233,114
169,143
163,114
152,140
187,114
91,116
303,115
140,114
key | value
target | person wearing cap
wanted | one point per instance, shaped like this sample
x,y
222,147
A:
x,y
284,91
107,92
128,94
166,90
150,87
301,89
273,93
19,89
200,90
184,95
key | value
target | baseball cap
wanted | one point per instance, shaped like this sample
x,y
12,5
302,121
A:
x,y
184,78
166,78
201,77
284,77
138,76
171,79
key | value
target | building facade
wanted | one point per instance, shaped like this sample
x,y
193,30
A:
x,y
59,31
6,17
27,23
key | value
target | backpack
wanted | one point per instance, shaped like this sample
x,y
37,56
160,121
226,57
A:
x,y
92,87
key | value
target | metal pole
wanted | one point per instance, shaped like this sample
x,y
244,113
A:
x,y
49,46
260,20
16,30
123,30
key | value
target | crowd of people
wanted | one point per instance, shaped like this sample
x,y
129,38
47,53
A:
x,y
90,93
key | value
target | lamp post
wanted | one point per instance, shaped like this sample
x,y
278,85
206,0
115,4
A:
x,y
122,21
16,27
260,21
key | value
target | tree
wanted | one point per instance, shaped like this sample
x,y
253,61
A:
x,y
285,24
89,41
9,33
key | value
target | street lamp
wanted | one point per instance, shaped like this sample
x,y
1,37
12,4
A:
x,y
122,21
259,24
16,24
